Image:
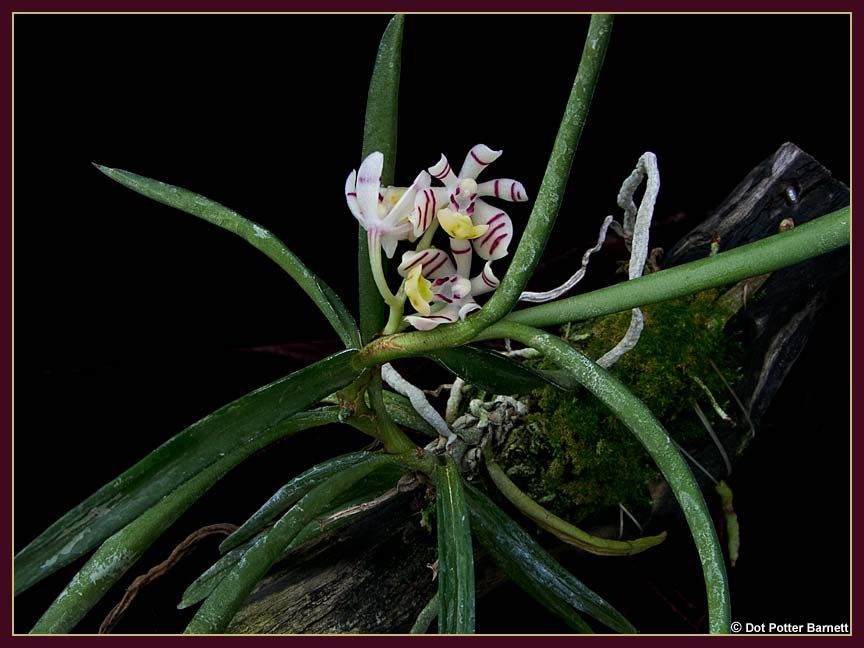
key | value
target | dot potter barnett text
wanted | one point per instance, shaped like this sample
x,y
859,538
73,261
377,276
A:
x,y
793,628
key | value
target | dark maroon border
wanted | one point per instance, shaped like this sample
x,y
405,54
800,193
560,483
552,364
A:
x,y
379,5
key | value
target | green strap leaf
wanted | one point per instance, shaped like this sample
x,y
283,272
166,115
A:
x,y
455,553
379,134
819,236
496,373
203,586
532,568
288,495
365,490
258,237
641,422
221,606
179,459
119,552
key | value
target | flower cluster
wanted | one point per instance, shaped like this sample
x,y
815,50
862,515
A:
x,y
438,285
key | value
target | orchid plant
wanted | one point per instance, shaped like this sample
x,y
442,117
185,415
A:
x,y
447,323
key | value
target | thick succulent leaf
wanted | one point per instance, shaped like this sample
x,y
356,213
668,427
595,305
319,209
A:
x,y
455,553
220,607
288,495
204,585
201,444
365,490
497,373
535,571
258,237
379,134
119,552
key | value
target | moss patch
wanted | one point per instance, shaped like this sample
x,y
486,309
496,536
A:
x,y
573,456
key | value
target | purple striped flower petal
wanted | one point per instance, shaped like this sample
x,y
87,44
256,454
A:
x,y
351,198
484,282
402,210
436,263
425,207
461,288
369,185
461,251
443,172
503,188
446,315
468,307
462,198
478,158
451,289
389,243
494,242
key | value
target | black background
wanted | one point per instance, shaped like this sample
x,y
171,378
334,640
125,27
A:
x,y
133,320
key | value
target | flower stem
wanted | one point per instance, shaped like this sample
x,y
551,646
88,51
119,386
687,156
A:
x,y
394,322
426,241
375,263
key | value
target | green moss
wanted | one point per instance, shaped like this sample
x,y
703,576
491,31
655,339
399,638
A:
x,y
573,456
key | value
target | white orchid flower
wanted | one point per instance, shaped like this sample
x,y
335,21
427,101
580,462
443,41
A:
x,y
439,289
384,214
459,206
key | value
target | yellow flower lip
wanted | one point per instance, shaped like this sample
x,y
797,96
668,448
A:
x,y
419,290
459,226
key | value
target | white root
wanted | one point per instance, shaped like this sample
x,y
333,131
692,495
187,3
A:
x,y
636,232
454,400
555,293
418,401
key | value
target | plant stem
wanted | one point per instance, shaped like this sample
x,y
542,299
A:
x,y
427,616
376,263
391,435
639,419
394,321
426,241
562,529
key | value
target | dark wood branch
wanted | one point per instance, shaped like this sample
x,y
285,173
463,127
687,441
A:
x,y
370,576
778,316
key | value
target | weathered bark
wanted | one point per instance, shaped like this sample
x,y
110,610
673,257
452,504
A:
x,y
776,319
371,576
